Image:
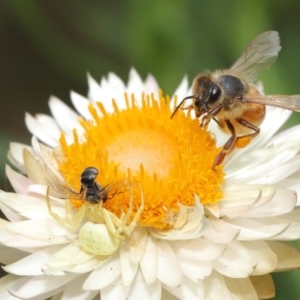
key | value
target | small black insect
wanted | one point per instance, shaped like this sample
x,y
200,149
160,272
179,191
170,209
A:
x,y
91,190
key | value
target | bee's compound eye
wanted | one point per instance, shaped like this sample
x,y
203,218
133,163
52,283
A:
x,y
97,239
88,176
215,92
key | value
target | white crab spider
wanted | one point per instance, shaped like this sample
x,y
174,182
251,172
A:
x,y
102,234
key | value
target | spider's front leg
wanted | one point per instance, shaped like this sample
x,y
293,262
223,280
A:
x,y
73,221
119,225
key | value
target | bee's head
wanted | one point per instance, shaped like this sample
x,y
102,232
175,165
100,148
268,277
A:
x,y
206,93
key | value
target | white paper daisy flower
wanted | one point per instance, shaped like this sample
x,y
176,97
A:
x,y
164,224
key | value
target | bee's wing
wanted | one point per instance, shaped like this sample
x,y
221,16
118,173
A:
x,y
259,55
59,191
118,187
283,101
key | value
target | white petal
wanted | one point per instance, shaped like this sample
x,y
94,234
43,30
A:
x,y
7,281
73,259
265,257
73,290
47,121
235,261
94,92
291,184
181,91
220,232
66,118
104,274
241,288
215,287
197,249
283,202
188,290
35,171
293,231
47,135
274,119
137,244
135,84
289,134
169,271
129,268
258,228
239,199
81,104
19,182
31,265
141,290
287,255
151,86
21,242
15,154
26,205
33,286
9,213
10,255
45,230
195,270
149,261
116,290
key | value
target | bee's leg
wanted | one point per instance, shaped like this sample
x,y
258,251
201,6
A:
x,y
228,146
211,115
243,141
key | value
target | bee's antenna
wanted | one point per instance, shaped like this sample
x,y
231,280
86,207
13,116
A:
x,y
178,106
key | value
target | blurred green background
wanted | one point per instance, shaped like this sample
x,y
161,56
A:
x,y
47,48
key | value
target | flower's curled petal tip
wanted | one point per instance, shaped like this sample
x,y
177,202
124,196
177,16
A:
x,y
241,267
239,199
266,259
192,224
275,207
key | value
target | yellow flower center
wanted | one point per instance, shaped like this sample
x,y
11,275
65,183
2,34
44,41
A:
x,y
171,159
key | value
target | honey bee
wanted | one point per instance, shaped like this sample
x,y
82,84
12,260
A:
x,y
230,98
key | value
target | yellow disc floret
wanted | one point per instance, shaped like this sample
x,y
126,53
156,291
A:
x,y
171,159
